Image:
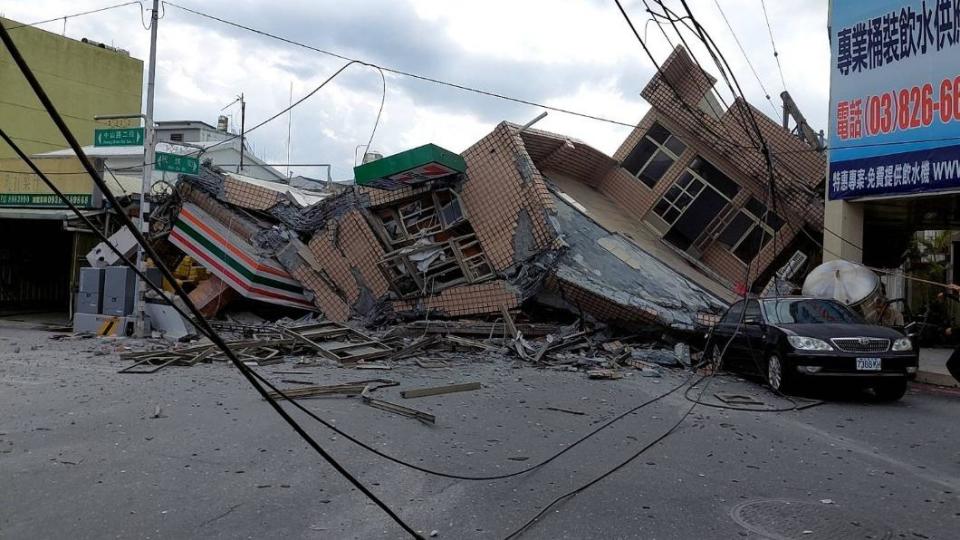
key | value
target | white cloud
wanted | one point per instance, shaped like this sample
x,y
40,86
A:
x,y
203,65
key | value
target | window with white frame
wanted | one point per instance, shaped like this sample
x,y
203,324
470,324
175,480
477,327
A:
x,y
673,203
657,150
750,230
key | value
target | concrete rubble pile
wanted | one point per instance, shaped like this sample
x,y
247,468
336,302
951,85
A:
x,y
478,235
477,253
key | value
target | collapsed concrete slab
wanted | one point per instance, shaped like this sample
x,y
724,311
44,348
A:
x,y
471,235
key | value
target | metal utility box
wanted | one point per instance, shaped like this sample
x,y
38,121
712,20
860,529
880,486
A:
x,y
154,276
119,288
90,291
91,280
102,256
87,303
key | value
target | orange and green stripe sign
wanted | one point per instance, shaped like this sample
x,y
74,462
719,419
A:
x,y
234,261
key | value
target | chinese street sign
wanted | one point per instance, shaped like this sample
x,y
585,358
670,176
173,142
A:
x,y
118,137
894,97
177,163
46,200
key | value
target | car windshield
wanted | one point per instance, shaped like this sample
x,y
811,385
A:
x,y
807,311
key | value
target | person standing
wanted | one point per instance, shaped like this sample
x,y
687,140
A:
x,y
953,363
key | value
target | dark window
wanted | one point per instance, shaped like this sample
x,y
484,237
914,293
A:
x,y
759,210
653,155
678,198
752,244
753,311
689,207
176,137
747,234
714,177
733,314
735,230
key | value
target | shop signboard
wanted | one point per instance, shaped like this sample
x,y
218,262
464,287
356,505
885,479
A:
x,y
894,97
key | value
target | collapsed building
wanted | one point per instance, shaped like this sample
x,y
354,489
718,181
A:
x,y
649,238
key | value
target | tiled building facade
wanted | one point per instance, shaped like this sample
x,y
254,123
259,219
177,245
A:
x,y
694,174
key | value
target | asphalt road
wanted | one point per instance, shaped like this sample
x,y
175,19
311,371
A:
x,y
82,456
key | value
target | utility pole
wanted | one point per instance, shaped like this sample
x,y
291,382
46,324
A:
x,y
289,129
149,156
243,121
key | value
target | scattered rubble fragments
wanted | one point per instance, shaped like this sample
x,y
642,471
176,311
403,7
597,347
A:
x,y
431,258
437,390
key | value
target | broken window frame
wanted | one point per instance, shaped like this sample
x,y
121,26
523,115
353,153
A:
x,y
668,202
693,170
394,226
767,223
455,266
660,147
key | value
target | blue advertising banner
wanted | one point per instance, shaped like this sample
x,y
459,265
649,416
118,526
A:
x,y
894,97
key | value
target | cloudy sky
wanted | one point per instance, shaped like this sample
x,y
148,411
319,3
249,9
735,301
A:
x,y
578,55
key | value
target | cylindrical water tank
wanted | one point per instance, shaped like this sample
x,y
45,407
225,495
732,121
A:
x,y
853,284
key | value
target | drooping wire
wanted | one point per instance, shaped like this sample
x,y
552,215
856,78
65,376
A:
x,y
402,72
710,103
773,44
79,14
517,532
747,58
383,99
670,84
167,274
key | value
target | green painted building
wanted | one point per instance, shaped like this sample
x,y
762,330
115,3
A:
x,y
43,246
82,78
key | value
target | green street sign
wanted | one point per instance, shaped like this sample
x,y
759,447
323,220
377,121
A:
x,y
118,137
177,163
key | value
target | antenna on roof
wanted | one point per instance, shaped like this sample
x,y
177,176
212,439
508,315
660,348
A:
x,y
532,122
289,128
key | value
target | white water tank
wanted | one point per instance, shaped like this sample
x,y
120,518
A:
x,y
853,284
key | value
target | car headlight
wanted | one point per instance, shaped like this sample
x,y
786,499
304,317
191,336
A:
x,y
803,343
902,344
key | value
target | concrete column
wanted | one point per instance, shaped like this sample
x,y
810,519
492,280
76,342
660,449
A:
x,y
843,231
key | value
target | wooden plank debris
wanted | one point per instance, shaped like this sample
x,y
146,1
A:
x,y
396,409
431,363
604,374
437,390
558,409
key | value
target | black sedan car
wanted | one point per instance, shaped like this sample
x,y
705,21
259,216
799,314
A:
x,y
789,339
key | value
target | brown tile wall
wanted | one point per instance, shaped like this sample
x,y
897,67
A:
x,y
798,169
382,197
246,195
495,193
725,263
347,245
331,305
600,307
482,298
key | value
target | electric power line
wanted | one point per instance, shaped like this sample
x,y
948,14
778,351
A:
x,y
80,14
773,44
402,72
746,57
210,332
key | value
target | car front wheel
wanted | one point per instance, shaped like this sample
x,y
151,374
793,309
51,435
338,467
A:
x,y
777,374
891,390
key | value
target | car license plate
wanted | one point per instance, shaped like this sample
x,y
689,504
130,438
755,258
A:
x,y
868,364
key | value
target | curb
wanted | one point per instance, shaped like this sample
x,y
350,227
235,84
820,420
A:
x,y
938,379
